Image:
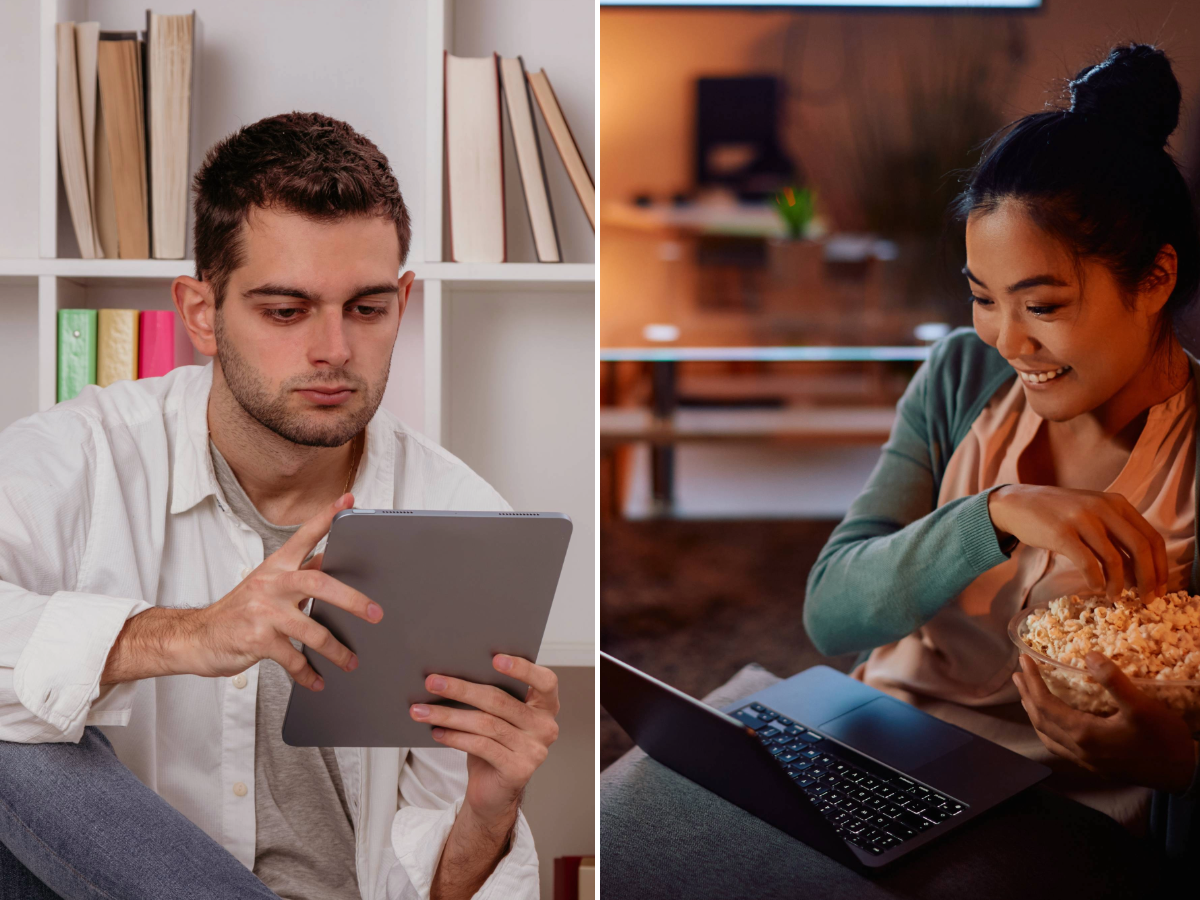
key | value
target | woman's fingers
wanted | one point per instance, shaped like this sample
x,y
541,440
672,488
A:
x,y
1095,537
1158,545
1086,561
1140,552
1047,713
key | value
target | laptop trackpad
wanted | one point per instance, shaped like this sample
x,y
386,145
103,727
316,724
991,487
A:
x,y
894,733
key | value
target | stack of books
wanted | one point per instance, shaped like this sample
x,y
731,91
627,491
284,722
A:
x,y
107,345
124,110
475,156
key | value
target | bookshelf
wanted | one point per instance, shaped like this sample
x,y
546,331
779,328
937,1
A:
x,y
467,371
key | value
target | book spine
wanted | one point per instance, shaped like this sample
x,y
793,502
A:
x,y
76,351
117,346
157,343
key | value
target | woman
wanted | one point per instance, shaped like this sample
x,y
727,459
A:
x,y
1050,451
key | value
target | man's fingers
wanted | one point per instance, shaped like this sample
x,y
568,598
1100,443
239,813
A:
x,y
307,583
318,637
1109,674
516,767
300,544
542,680
481,696
295,664
474,722
315,561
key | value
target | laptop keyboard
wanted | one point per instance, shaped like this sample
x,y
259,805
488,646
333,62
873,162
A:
x,y
871,806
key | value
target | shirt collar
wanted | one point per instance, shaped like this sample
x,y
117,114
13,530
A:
x,y
193,476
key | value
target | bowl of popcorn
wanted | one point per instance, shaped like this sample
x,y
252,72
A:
x,y
1157,644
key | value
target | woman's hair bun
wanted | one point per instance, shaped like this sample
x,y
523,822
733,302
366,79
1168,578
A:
x,y
1133,88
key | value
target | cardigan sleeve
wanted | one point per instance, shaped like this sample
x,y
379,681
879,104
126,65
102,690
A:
x,y
897,558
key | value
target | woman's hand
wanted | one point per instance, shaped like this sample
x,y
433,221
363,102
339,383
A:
x,y
1101,533
1144,742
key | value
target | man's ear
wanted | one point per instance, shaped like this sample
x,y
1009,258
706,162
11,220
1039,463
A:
x,y
405,288
197,308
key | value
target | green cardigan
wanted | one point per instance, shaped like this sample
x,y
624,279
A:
x,y
898,558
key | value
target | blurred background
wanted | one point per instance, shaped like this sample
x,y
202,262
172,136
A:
x,y
775,260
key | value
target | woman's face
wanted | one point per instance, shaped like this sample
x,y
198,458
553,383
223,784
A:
x,y
1064,328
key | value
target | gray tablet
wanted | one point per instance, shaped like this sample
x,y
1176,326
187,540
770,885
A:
x,y
455,587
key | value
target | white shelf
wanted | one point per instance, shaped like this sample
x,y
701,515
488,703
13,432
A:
x,y
475,274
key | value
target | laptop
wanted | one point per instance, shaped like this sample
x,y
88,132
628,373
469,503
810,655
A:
x,y
852,772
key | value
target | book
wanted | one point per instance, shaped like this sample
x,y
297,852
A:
x,y
169,49
87,38
72,156
156,343
105,212
568,876
76,351
119,63
116,346
587,878
474,160
529,160
556,124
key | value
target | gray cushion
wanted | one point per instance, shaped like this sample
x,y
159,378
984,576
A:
x,y
664,836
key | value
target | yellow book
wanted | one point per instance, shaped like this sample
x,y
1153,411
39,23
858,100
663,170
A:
x,y
117,346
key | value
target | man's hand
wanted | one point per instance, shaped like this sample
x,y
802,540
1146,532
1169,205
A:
x,y
254,621
1144,742
505,741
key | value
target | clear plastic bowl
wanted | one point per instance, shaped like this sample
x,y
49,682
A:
x,y
1075,687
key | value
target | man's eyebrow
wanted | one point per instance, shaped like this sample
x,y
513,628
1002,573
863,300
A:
x,y
283,290
1024,283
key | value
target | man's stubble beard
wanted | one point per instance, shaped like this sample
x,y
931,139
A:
x,y
250,391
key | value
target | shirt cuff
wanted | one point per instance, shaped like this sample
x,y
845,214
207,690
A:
x,y
977,534
57,675
419,835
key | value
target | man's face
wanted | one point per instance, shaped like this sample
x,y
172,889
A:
x,y
304,336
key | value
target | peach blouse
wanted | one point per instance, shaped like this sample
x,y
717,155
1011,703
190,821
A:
x,y
964,654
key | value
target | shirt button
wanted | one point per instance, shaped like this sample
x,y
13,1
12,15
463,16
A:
x,y
245,573
239,681
240,789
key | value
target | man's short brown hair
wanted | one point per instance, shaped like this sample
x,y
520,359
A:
x,y
306,163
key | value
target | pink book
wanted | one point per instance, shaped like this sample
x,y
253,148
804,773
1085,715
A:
x,y
157,351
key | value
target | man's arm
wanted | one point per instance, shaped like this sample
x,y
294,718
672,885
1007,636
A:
x,y
505,741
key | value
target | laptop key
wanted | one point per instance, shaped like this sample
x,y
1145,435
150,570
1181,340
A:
x,y
809,737
802,779
799,765
914,822
811,753
794,731
890,811
900,832
753,721
784,721
786,756
758,707
904,784
885,791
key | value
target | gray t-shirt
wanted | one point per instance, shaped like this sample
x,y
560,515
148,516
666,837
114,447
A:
x,y
304,836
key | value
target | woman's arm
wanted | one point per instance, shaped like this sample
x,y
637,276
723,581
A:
x,y
897,558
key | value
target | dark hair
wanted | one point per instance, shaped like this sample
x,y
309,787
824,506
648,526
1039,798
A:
x,y
1098,177
303,162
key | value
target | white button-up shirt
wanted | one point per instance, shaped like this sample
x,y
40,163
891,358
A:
x,y
109,506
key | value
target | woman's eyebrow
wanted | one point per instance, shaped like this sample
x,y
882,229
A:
x,y
1024,283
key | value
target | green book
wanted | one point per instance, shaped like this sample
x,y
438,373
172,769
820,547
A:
x,y
76,351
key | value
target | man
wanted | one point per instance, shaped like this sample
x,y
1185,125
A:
x,y
156,553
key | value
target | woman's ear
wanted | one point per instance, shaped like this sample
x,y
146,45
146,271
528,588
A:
x,y
1160,282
